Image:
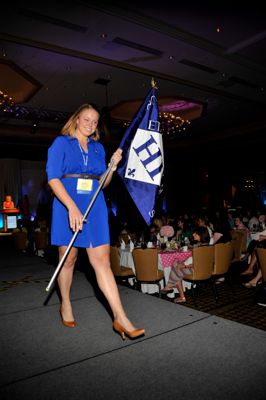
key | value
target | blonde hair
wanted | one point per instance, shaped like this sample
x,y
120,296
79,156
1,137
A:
x,y
70,126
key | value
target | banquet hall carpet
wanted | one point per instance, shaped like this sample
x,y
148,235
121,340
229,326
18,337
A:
x,y
186,352
239,306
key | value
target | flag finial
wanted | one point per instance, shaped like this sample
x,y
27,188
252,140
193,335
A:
x,y
153,83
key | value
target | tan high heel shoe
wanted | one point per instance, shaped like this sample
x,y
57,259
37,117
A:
x,y
69,324
130,334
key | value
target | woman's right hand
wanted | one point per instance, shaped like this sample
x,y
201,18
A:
x,y
74,215
75,218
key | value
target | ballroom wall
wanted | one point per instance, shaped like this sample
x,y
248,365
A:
x,y
22,177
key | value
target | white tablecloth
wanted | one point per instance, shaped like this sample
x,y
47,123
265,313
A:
x,y
126,260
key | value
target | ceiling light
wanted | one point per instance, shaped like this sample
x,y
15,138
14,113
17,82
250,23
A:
x,y
16,82
171,124
5,100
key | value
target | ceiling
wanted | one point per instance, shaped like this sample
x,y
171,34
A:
x,y
79,52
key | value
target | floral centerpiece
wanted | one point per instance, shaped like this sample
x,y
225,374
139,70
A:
x,y
166,232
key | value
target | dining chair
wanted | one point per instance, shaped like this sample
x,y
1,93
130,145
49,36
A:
x,y
223,255
146,267
261,254
244,241
120,272
20,240
41,241
203,265
237,237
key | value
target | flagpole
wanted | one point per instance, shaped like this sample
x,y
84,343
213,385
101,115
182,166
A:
x,y
101,183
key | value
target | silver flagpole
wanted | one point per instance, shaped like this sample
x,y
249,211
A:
x,y
101,183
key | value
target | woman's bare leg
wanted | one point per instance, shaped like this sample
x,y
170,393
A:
x,y
100,260
173,277
180,288
251,266
64,280
181,272
256,278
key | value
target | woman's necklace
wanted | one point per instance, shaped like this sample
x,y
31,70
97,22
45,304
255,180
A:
x,y
84,155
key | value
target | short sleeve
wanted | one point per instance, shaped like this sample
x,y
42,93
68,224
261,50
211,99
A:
x,y
101,161
56,156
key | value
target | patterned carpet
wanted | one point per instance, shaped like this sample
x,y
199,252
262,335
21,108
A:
x,y
239,307
239,304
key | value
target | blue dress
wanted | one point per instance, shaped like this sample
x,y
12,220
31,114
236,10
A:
x,y
65,156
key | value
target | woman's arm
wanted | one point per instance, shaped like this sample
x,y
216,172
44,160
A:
x,y
108,179
116,157
74,214
262,237
182,265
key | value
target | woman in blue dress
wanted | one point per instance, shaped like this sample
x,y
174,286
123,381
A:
x,y
76,161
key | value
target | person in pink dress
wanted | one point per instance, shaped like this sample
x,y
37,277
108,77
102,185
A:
x,y
180,270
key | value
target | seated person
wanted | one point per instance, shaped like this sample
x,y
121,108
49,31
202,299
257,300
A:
x,y
261,242
183,230
179,270
8,203
254,281
221,234
152,234
20,227
40,224
257,279
204,222
239,225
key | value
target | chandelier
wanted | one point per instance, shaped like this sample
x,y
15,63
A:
x,y
171,124
175,114
5,101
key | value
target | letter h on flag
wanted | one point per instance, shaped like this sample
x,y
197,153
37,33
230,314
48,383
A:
x,y
142,164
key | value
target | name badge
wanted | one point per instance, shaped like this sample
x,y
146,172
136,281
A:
x,y
84,186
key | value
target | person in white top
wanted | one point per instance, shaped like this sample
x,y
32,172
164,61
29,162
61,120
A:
x,y
260,240
203,221
253,224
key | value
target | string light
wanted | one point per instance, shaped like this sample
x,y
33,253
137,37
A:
x,y
33,114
